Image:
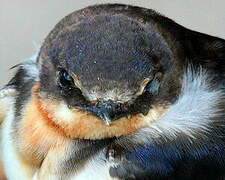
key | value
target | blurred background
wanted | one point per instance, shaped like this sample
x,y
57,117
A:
x,y
25,23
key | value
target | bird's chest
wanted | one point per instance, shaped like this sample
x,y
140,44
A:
x,y
96,168
88,168
50,155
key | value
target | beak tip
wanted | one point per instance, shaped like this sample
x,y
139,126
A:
x,y
105,117
107,121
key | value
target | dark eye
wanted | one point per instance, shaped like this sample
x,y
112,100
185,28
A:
x,y
152,86
65,81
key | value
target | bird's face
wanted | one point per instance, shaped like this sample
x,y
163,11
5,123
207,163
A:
x,y
101,77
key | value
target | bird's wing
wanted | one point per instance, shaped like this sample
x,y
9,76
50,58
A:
x,y
27,70
6,99
171,162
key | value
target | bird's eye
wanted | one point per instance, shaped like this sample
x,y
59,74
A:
x,y
65,81
152,86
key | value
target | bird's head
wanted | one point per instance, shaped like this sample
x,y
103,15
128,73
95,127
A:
x,y
103,74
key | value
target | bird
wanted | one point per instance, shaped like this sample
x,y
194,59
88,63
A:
x,y
117,92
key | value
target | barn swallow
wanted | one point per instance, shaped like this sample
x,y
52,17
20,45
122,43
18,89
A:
x,y
117,92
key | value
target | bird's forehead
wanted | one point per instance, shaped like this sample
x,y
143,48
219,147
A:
x,y
106,53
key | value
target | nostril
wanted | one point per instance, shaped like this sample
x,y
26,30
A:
x,y
118,106
111,115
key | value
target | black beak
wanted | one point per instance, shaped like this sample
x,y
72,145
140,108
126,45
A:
x,y
107,111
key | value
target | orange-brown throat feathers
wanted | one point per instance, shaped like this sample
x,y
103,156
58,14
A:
x,y
80,124
43,112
